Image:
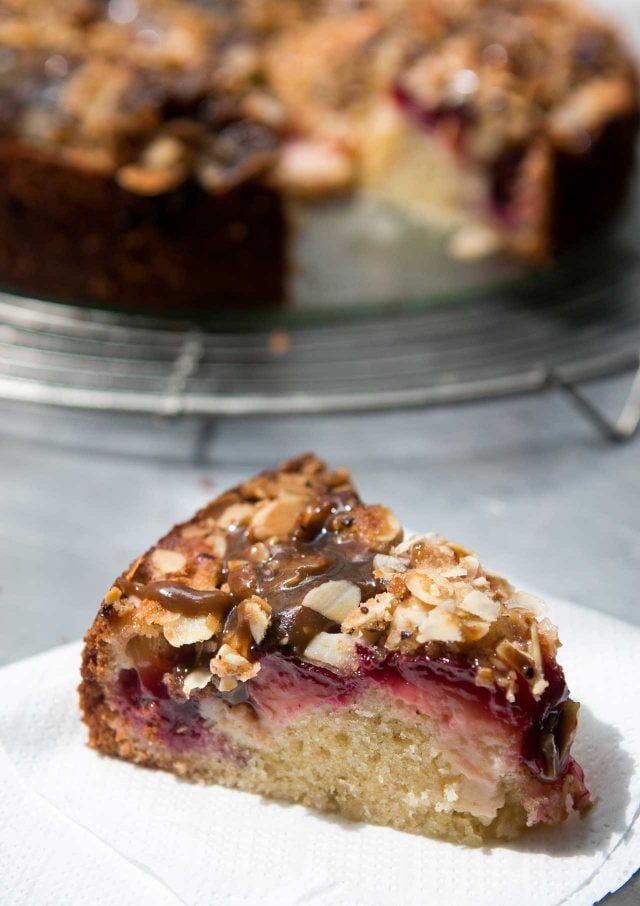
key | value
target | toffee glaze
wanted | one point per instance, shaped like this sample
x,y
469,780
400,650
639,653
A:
x,y
320,549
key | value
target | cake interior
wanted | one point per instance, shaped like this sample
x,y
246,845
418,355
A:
x,y
407,743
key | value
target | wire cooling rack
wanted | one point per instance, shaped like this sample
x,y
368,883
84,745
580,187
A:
x,y
576,324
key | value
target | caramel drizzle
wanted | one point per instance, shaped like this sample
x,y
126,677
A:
x,y
315,552
178,598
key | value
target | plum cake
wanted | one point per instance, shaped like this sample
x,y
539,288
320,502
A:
x,y
294,642
157,152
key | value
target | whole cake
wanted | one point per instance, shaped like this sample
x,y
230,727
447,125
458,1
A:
x,y
291,641
152,152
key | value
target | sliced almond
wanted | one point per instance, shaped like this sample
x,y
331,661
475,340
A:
x,y
480,605
455,572
408,619
379,524
374,615
440,626
420,584
167,561
198,530
334,600
258,615
276,518
474,630
521,661
331,649
471,565
229,664
197,679
236,514
386,565
217,544
526,601
189,630
311,167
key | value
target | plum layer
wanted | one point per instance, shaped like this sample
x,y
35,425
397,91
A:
x,y
481,735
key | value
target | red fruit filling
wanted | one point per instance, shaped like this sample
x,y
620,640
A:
x,y
452,125
142,696
286,686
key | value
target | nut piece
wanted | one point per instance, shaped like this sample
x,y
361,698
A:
x,y
526,601
387,566
113,595
407,617
378,525
232,668
166,561
333,649
412,620
334,600
480,605
258,614
374,615
515,657
311,167
189,630
276,518
439,626
236,514
422,586
197,679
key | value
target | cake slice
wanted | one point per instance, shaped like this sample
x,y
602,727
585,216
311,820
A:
x,y
291,641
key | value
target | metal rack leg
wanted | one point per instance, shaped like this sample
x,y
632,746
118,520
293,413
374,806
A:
x,y
618,430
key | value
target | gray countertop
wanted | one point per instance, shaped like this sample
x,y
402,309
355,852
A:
x,y
526,482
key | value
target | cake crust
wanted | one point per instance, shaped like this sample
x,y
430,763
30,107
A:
x,y
288,640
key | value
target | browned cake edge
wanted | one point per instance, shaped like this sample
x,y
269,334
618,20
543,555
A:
x,y
71,233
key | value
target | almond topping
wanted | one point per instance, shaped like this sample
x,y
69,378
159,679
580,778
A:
x,y
197,679
527,602
515,657
374,615
387,566
113,595
236,514
420,584
167,561
439,626
481,605
258,615
229,664
334,600
276,518
474,630
331,648
189,630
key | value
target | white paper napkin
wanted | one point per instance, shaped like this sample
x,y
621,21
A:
x,y
81,828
